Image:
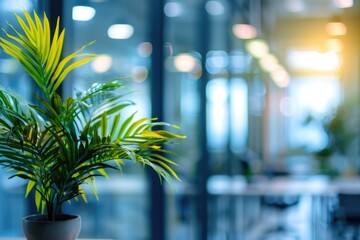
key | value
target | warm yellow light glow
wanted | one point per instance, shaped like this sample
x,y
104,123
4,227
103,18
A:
x,y
244,31
184,62
334,44
120,31
257,48
280,76
336,28
269,63
102,63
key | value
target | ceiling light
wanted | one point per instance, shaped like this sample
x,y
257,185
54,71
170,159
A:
x,y
102,63
244,31
344,3
184,62
173,9
139,73
214,8
313,60
257,48
280,76
83,13
144,49
268,63
336,27
120,31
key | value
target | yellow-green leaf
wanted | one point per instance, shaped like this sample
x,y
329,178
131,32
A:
x,y
29,187
152,134
37,200
103,172
82,193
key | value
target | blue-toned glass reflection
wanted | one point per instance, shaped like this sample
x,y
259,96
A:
x,y
217,94
239,115
311,96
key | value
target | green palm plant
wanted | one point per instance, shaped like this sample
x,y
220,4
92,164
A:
x,y
60,144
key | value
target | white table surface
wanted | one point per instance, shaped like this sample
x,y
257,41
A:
x,y
313,185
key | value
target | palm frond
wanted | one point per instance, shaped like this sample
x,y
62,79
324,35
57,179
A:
x,y
39,52
57,145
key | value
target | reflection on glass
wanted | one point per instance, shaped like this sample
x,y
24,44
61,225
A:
x,y
217,94
287,106
13,205
123,200
216,61
9,66
16,6
238,112
315,96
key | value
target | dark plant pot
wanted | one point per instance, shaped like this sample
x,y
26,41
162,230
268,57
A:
x,y
66,227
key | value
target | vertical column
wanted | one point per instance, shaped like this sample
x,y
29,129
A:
x,y
203,165
157,198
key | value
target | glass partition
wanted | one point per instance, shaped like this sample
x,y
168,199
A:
x,y
240,120
13,205
120,31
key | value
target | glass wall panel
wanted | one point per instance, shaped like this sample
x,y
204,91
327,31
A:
x,y
13,205
182,105
224,67
120,30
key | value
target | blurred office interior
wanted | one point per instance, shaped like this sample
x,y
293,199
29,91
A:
x,y
267,92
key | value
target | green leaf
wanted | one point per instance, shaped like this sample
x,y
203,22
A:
x,y
104,125
29,187
38,198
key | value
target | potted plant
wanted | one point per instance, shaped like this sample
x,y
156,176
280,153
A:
x,y
57,145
